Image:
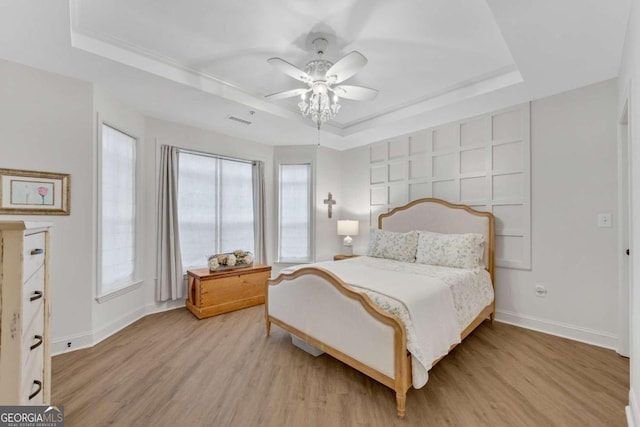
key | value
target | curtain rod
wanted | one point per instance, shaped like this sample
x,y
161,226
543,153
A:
x,y
215,156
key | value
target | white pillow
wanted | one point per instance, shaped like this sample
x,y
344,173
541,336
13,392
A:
x,y
392,245
450,250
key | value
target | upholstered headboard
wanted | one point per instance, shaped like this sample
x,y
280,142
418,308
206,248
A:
x,y
440,216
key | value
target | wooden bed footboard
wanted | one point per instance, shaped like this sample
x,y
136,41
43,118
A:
x,y
312,303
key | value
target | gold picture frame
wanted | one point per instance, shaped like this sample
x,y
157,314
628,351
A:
x,y
24,192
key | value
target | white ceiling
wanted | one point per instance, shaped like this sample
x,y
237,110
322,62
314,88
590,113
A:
x,y
199,61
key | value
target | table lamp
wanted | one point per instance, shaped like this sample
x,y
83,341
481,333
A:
x,y
348,228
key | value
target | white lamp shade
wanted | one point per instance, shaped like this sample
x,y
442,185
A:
x,y
347,227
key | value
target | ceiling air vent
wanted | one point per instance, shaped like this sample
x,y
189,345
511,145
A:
x,y
239,120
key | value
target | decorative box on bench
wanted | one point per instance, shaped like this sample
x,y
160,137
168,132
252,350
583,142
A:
x,y
212,293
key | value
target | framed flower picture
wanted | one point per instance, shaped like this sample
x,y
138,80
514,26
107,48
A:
x,y
34,193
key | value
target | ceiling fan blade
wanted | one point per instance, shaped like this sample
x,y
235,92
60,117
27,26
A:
x,y
287,93
346,67
289,69
356,93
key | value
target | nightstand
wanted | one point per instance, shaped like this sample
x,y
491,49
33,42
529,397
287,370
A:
x,y
340,257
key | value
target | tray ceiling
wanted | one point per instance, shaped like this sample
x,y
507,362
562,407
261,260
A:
x,y
200,61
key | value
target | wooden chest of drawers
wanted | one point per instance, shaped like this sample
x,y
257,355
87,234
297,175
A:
x,y
223,291
25,361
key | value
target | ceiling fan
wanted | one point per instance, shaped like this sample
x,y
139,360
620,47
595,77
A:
x,y
320,100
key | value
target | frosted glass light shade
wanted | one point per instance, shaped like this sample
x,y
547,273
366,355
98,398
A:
x,y
347,227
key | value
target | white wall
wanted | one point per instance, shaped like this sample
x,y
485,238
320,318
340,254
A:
x,y
328,179
46,124
289,154
629,89
113,314
355,193
573,178
483,162
50,123
326,165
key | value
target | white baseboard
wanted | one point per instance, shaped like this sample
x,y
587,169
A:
x,y
633,410
71,343
89,339
109,329
564,330
159,307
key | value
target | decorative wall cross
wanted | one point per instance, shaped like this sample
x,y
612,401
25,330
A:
x,y
330,202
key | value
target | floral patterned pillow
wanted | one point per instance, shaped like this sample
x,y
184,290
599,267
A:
x,y
450,250
392,245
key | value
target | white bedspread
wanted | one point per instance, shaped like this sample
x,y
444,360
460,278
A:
x,y
472,290
434,303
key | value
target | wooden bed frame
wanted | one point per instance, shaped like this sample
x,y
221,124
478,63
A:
x,y
335,305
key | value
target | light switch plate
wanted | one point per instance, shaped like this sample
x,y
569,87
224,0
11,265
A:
x,y
604,220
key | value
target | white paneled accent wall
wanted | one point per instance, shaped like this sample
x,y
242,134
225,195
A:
x,y
483,162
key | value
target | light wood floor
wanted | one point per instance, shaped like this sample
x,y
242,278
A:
x,y
171,369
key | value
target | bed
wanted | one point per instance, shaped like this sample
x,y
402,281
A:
x,y
368,312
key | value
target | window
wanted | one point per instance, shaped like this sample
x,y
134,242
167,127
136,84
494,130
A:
x,y
117,210
294,243
215,207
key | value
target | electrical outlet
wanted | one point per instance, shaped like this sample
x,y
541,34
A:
x,y
541,291
604,220
69,344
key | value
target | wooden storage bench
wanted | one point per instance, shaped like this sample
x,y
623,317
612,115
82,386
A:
x,y
212,293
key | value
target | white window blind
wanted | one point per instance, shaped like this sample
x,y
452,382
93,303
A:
x,y
117,209
215,207
294,243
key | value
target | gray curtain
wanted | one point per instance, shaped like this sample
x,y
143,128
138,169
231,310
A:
x,y
170,282
259,212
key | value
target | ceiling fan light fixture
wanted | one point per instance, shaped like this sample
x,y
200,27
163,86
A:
x,y
320,101
319,105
